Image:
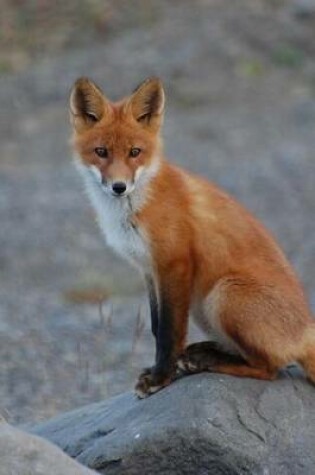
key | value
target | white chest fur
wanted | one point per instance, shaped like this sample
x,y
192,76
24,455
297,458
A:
x,y
115,219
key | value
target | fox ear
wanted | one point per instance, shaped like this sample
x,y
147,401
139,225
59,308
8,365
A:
x,y
87,104
147,103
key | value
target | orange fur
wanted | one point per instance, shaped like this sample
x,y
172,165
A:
x,y
206,250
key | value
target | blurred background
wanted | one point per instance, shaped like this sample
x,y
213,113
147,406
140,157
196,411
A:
x,y
240,82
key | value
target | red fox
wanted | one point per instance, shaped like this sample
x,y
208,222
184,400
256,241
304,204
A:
x,y
198,249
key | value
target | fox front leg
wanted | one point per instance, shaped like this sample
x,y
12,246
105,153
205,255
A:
x,y
154,310
169,319
154,313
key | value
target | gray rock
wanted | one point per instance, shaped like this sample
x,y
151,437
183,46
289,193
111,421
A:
x,y
25,454
201,424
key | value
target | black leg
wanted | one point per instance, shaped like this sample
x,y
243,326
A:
x,y
161,326
169,314
154,308
165,340
162,329
154,313
161,374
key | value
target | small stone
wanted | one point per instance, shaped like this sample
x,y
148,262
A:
x,y
22,453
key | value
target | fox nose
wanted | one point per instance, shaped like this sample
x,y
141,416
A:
x,y
119,187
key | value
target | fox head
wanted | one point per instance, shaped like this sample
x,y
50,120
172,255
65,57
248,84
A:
x,y
117,142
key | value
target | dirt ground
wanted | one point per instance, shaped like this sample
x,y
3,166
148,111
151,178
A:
x,y
240,83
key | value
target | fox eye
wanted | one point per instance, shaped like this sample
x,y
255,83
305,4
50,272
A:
x,y
134,152
101,152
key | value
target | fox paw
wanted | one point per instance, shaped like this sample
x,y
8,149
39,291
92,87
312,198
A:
x,y
198,357
146,371
148,383
205,356
186,364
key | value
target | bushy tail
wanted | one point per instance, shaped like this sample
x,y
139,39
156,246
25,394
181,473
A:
x,y
307,360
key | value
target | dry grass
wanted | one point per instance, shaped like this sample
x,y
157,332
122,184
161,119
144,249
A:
x,y
93,295
138,330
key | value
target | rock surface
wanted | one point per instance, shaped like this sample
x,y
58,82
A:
x,y
201,424
25,454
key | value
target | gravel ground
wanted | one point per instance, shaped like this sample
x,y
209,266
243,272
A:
x,y
240,83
